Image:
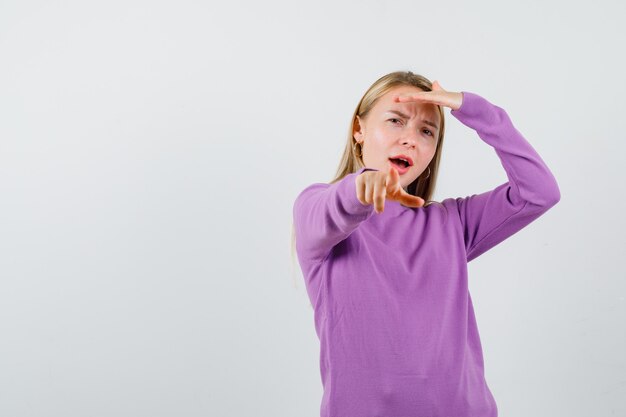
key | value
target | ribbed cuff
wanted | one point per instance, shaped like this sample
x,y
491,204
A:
x,y
477,112
473,105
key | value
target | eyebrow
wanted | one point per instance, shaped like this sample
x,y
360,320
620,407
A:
x,y
428,122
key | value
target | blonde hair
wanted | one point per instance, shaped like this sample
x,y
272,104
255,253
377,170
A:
x,y
351,163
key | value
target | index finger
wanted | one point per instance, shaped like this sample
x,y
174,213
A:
x,y
434,97
410,200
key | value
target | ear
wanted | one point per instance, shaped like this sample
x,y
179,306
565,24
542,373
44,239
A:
x,y
357,132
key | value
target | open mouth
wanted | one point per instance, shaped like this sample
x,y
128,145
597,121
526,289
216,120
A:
x,y
400,165
400,162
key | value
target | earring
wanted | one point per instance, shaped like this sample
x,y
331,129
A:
x,y
360,153
426,175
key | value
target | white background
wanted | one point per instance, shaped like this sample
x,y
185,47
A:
x,y
150,153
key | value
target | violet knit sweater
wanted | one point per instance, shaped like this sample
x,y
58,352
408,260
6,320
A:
x,y
398,335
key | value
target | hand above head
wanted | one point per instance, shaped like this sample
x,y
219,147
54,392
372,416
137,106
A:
x,y
374,187
437,96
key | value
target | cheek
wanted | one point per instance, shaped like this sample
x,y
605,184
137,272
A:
x,y
380,141
380,135
431,148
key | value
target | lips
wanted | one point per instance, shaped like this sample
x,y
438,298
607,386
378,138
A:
x,y
404,157
399,167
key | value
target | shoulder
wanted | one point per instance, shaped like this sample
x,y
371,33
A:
x,y
444,208
309,192
311,188
450,203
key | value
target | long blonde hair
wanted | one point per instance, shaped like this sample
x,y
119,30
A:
x,y
350,162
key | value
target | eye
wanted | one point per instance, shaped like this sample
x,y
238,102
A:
x,y
430,133
394,119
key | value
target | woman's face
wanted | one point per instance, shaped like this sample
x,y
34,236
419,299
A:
x,y
392,129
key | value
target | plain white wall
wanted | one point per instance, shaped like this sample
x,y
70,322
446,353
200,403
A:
x,y
150,153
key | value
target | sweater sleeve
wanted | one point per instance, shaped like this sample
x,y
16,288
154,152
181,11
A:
x,y
325,214
489,218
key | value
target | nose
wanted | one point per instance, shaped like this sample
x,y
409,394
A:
x,y
410,139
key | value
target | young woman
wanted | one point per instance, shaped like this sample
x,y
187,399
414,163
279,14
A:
x,y
386,268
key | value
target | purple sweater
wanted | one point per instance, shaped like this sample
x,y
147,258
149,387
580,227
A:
x,y
398,335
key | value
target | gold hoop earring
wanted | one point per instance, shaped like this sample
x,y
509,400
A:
x,y
426,175
360,154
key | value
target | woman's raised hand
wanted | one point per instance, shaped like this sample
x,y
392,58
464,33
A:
x,y
437,96
374,187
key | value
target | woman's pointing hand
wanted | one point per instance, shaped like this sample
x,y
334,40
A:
x,y
374,187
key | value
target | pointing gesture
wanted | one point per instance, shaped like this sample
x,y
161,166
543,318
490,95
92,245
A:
x,y
374,187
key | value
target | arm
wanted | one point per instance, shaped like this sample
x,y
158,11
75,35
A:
x,y
325,214
491,217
